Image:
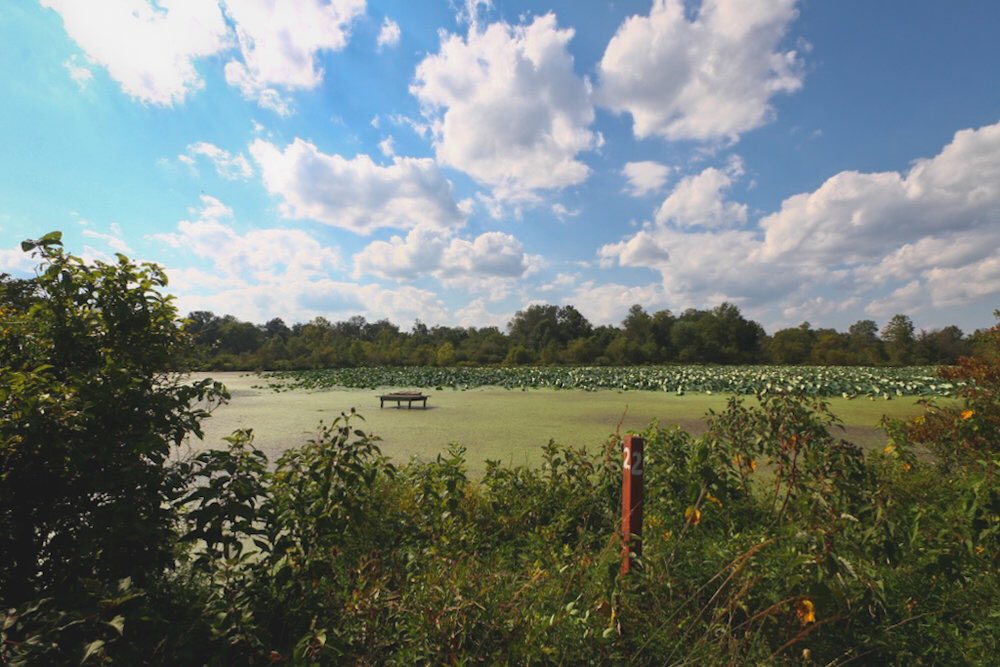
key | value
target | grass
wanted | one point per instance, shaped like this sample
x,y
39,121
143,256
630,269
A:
x,y
510,426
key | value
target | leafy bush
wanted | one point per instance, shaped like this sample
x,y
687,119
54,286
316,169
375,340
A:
x,y
88,418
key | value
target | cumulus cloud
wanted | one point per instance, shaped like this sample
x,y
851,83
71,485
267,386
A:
x,y
486,261
608,303
149,49
699,201
507,108
279,43
264,273
709,77
258,252
229,166
388,34
477,314
150,46
645,177
356,194
927,235
858,217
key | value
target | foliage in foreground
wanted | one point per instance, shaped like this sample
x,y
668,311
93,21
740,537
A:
x,y
767,541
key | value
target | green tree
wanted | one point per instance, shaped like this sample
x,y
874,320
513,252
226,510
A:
x,y
89,415
864,343
791,346
899,340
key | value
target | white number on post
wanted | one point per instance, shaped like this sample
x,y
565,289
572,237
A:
x,y
633,462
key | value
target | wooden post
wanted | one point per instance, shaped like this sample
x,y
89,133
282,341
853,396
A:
x,y
632,469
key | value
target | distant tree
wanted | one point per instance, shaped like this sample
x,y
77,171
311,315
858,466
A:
x,y
831,348
518,355
538,326
791,346
897,335
276,328
662,326
941,346
445,354
864,343
238,337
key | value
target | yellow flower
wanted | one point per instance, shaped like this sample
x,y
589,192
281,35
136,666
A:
x,y
889,449
692,515
967,414
806,611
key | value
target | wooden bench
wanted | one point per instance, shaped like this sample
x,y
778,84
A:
x,y
400,396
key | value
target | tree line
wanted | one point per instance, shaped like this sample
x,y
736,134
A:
x,y
551,335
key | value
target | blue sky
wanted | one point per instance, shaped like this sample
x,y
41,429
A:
x,y
454,161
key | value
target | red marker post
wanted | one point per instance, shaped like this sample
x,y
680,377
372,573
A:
x,y
632,468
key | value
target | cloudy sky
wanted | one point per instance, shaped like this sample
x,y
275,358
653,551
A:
x,y
455,161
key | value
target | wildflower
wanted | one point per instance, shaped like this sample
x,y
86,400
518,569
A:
x,y
806,611
741,462
967,414
907,467
889,449
692,515
713,499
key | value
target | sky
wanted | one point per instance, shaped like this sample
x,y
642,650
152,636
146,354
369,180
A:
x,y
454,162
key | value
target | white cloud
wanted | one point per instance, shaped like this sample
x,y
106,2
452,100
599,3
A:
x,y
16,262
418,254
227,165
288,273
910,299
300,300
489,260
388,34
261,253
113,240
279,42
856,217
562,212
477,314
490,255
386,146
898,241
79,73
507,108
707,78
356,193
645,177
609,303
149,49
698,201
818,308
